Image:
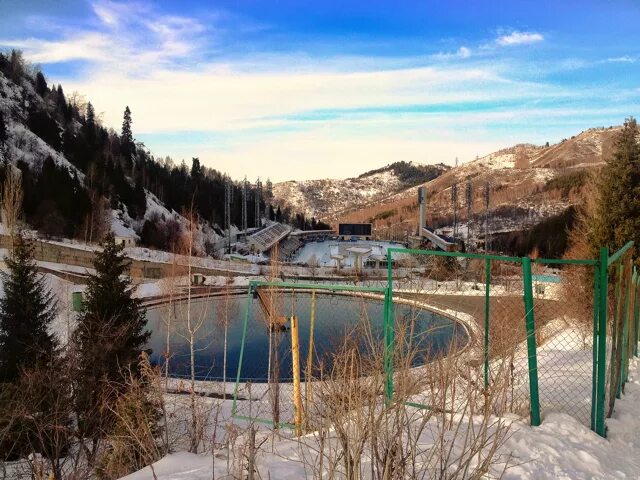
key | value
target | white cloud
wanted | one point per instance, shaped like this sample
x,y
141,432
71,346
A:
x,y
130,37
519,38
85,46
622,59
290,114
462,52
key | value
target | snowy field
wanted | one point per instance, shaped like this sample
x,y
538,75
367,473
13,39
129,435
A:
x,y
321,253
562,448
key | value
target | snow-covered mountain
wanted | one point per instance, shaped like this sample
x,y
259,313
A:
x,y
527,183
327,198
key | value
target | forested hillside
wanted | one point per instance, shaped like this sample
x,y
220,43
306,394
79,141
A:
x,y
80,177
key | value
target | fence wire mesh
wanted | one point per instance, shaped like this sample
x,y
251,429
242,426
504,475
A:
x,y
484,298
295,337
556,335
621,328
564,321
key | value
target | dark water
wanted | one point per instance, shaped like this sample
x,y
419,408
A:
x,y
337,317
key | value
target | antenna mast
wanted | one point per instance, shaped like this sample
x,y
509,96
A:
x,y
257,198
487,203
228,198
469,201
244,206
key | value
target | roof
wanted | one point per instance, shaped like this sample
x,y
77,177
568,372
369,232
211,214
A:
x,y
269,236
312,232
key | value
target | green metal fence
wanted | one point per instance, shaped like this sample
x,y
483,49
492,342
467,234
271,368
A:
x,y
559,332
307,324
566,328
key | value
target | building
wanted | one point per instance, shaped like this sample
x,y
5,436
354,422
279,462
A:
x,y
126,240
357,231
265,239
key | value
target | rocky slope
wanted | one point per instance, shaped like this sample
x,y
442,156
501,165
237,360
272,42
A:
x,y
527,183
329,198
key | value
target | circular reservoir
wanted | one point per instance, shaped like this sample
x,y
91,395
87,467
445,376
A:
x,y
337,318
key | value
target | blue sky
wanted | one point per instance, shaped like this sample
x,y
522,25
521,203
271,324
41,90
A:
x,y
296,90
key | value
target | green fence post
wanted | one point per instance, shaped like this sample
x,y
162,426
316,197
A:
x,y
618,337
388,348
531,342
595,346
636,315
487,290
625,326
389,332
603,272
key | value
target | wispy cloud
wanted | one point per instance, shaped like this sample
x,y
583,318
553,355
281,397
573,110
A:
x,y
622,59
462,52
519,38
130,37
296,113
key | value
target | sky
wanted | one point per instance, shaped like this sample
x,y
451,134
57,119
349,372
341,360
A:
x,y
329,89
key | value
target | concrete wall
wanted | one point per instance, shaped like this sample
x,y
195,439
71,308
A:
x,y
80,257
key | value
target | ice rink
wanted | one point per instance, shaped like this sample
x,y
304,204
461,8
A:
x,y
325,254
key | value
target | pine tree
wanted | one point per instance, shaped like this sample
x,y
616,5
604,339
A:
x,y
127,138
90,127
127,135
26,313
616,219
41,84
91,116
196,169
108,339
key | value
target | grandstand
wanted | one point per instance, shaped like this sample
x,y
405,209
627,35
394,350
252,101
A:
x,y
265,239
289,247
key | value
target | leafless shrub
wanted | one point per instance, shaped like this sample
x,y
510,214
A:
x,y
455,434
135,438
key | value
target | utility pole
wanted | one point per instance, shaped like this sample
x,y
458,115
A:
x,y
469,201
257,198
228,198
487,203
244,206
454,201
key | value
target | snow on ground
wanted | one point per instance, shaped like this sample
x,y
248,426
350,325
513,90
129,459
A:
x,y
563,447
24,145
121,224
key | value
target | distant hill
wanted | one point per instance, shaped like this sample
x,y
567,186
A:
x,y
528,184
327,198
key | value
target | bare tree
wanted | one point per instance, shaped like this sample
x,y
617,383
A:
x,y
12,196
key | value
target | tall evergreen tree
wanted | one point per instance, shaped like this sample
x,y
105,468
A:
x,y
41,84
616,219
109,339
127,147
26,313
91,116
127,135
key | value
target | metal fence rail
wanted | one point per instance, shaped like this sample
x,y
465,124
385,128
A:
x,y
559,332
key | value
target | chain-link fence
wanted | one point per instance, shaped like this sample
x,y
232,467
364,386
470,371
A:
x,y
617,329
482,296
556,335
294,336
558,332
563,299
